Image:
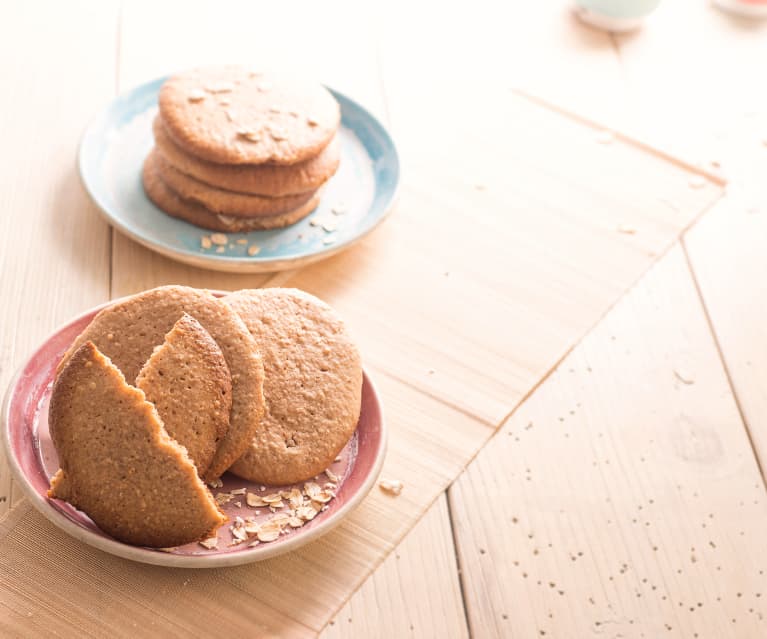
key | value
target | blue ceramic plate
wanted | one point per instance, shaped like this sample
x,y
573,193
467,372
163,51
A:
x,y
354,201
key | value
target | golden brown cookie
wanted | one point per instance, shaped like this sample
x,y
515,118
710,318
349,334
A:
x,y
256,179
118,464
188,381
312,387
232,115
221,201
128,331
168,201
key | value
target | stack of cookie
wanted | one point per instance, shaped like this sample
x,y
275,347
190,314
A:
x,y
239,150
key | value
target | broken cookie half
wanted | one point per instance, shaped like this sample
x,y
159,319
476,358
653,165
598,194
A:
x,y
118,464
188,381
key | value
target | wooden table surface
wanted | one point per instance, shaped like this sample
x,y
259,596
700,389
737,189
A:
x,y
596,355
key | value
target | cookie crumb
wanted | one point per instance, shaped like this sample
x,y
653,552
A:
x,y
605,137
391,486
205,242
627,229
210,543
254,249
697,181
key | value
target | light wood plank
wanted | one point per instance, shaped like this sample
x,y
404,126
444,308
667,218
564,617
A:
x,y
54,247
623,497
414,593
152,45
514,272
728,252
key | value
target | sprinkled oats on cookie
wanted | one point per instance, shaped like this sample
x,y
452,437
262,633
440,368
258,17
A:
x,y
196,95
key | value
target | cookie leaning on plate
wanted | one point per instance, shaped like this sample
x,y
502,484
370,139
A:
x,y
188,381
117,462
312,387
128,331
233,115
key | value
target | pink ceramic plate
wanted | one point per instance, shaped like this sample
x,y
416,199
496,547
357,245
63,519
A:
x,y
33,461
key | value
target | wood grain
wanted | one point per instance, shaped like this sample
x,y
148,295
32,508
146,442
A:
x,y
622,498
54,247
414,593
728,254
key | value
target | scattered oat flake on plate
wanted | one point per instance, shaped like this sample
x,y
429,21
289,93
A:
x,y
223,498
295,522
331,239
684,376
242,240
697,181
238,504
220,249
268,533
307,513
169,549
254,501
216,483
338,209
254,249
331,475
605,137
627,229
239,491
205,242
219,239
391,486
329,226
210,543
338,458
253,544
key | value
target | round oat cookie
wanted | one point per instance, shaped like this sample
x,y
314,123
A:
x,y
269,180
167,200
118,464
233,115
128,331
188,381
220,200
312,387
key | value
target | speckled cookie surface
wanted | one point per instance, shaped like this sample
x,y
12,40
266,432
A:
x,y
256,179
118,464
233,115
223,201
188,381
312,387
171,203
128,331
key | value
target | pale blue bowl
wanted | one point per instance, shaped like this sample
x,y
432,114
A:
x,y
116,143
